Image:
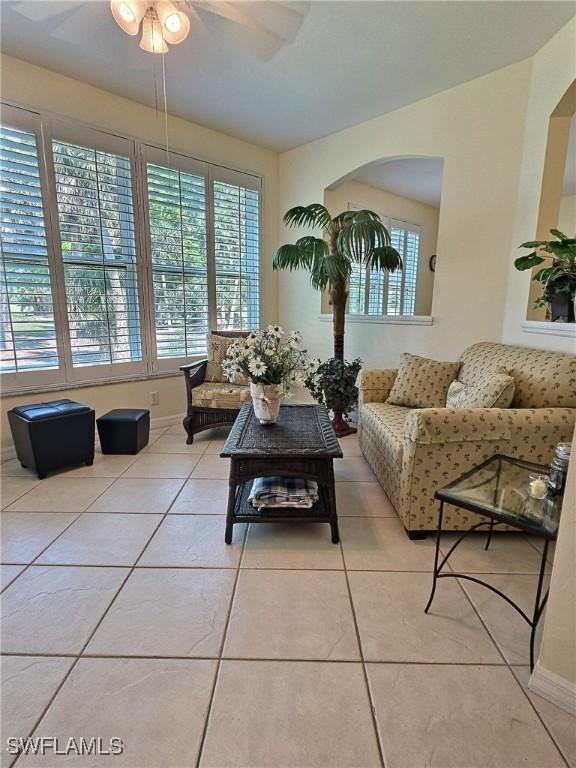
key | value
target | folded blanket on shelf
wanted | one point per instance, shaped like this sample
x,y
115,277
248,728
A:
x,y
283,492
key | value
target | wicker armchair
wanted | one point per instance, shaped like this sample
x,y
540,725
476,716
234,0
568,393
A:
x,y
211,404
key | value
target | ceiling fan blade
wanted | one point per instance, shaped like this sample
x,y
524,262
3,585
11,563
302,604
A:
x,y
35,10
281,20
227,10
251,40
83,23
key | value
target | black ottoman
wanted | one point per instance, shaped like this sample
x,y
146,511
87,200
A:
x,y
50,436
124,430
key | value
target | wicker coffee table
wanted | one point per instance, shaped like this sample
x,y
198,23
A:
x,y
302,443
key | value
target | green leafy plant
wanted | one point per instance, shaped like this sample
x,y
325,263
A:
x,y
350,237
334,384
558,276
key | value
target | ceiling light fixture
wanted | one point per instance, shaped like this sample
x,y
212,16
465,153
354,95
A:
x,y
162,22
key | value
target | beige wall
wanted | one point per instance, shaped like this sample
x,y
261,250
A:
x,y
558,647
26,85
553,72
567,215
477,128
353,193
104,397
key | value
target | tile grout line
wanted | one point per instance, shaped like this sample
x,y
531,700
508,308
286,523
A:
x,y
509,667
78,516
379,740
221,650
98,624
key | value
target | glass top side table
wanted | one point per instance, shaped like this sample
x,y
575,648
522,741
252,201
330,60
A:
x,y
498,490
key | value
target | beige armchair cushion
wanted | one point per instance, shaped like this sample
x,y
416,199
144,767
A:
x,y
218,395
422,383
492,390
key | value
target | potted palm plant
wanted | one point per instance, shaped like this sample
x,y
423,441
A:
x,y
351,237
558,276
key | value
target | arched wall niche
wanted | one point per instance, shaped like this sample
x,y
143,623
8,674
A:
x,y
557,208
401,188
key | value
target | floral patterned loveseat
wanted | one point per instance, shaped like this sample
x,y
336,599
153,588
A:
x,y
415,451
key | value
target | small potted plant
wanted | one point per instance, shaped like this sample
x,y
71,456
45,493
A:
x,y
334,384
273,363
558,277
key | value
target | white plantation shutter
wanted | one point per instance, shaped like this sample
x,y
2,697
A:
x,y
410,259
116,259
178,253
28,338
236,217
94,198
376,292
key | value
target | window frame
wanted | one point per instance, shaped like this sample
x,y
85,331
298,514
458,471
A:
x,y
32,123
46,127
57,129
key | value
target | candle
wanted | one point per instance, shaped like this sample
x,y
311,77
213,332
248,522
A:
x,y
537,488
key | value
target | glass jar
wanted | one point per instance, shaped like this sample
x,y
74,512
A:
x,y
559,468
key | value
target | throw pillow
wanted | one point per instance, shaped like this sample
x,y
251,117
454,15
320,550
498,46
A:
x,y
492,390
422,383
217,349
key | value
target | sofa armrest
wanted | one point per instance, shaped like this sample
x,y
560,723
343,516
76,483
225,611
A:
x,y
374,384
428,426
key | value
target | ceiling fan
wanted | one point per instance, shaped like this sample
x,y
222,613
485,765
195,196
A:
x,y
260,27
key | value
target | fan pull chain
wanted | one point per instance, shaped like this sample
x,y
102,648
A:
x,y
165,109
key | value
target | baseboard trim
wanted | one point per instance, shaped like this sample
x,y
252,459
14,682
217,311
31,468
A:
x,y
167,421
554,688
8,451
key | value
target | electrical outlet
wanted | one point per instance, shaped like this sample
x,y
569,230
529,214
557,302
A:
x,y
154,398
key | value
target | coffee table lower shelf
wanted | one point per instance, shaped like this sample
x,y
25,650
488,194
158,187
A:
x,y
244,512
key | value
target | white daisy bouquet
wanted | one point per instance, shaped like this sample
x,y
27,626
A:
x,y
270,356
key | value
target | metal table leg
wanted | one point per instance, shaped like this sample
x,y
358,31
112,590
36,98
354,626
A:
x,y
436,556
538,605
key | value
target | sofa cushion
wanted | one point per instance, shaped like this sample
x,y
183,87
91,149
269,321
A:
x,y
494,389
542,379
385,422
217,395
422,383
217,349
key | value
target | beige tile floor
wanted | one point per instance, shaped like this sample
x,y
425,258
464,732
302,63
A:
x,y
125,615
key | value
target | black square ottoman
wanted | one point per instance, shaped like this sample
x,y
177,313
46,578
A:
x,y
54,435
124,430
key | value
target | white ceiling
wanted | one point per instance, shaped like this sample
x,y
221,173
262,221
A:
x,y
341,63
418,178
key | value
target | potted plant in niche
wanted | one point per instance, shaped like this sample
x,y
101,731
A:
x,y
273,365
557,277
351,237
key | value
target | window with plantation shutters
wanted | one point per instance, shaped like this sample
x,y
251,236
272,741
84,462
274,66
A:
x,y
98,252
236,256
377,292
177,230
116,258
28,341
